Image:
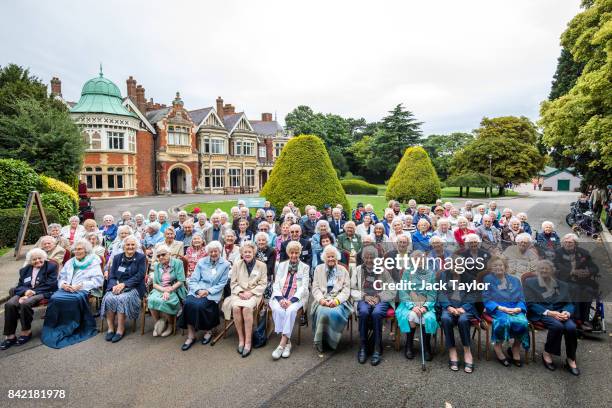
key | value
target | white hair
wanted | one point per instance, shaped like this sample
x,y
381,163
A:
x,y
396,220
74,218
214,245
462,219
330,249
165,214
35,252
230,232
471,238
152,212
109,217
435,238
124,228
293,245
85,244
443,221
319,224
548,223
246,244
137,216
264,223
155,226
182,212
261,234
571,236
522,237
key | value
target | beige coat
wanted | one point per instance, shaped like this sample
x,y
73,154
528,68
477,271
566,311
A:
x,y
341,289
241,281
57,254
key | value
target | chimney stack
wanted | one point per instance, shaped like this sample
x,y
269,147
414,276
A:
x,y
266,117
220,107
229,109
141,102
56,86
131,89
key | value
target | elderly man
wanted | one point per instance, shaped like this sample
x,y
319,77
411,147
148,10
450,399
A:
x,y
185,234
153,237
215,232
310,224
489,235
202,223
182,217
327,213
295,234
336,224
522,257
53,249
126,219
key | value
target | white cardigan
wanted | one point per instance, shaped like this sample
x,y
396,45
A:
x,y
303,279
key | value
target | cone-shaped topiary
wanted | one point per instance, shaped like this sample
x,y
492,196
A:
x,y
305,175
414,177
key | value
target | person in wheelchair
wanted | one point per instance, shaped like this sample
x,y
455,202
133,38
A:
x,y
575,266
372,304
548,303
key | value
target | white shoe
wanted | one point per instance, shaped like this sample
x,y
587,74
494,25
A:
x,y
167,332
278,352
287,351
159,327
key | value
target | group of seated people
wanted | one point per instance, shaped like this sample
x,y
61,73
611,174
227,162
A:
x,y
319,266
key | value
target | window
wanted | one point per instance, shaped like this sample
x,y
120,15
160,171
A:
x,y
234,175
116,140
217,146
244,148
132,142
249,177
262,151
278,147
92,142
178,135
93,178
238,148
214,178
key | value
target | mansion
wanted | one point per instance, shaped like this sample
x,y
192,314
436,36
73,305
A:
x,y
137,147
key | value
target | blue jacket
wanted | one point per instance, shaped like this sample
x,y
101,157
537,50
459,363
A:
x,y
421,242
205,276
537,304
510,297
46,280
131,274
110,233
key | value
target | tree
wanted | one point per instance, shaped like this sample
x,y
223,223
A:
x,y
441,149
567,73
578,125
472,179
304,174
510,141
397,131
414,178
37,128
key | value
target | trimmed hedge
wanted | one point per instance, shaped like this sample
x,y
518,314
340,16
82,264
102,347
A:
x,y
10,222
17,179
51,185
354,186
60,203
304,174
414,178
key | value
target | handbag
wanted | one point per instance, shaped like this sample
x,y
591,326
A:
x,y
260,337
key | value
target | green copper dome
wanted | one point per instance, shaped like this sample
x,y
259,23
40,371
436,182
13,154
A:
x,y
101,95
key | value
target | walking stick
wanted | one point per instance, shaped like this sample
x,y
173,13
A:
x,y
421,339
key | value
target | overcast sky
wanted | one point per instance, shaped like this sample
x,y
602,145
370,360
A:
x,y
450,62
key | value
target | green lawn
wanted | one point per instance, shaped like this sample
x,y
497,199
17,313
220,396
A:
x,y
378,201
4,250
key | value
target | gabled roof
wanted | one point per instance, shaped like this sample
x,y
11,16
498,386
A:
x,y
232,121
552,171
202,117
266,128
133,108
199,115
156,115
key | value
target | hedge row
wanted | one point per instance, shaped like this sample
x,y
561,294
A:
x,y
51,185
17,179
10,223
60,203
354,186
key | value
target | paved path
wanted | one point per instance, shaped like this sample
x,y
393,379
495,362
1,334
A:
x,y
147,371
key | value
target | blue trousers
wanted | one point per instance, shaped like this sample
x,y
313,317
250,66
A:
x,y
463,323
371,316
556,331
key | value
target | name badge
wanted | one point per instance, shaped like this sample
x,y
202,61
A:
x,y
354,239
370,279
121,269
28,279
305,252
553,238
214,271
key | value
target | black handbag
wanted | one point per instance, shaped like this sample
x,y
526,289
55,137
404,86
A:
x,y
260,337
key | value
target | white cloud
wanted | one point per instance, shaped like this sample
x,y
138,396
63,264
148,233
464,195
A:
x,y
450,62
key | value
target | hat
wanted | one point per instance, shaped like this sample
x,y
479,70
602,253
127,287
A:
x,y
359,205
326,206
196,210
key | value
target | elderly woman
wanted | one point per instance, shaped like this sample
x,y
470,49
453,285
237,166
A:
x,y
458,309
322,228
194,253
453,217
243,233
379,236
109,230
403,247
123,232
126,219
548,302
151,217
152,237
489,234
547,241
282,237
125,288
201,309
73,231
54,251
230,251
366,227
264,227
480,212
504,301
462,230
420,239
412,207
373,301
289,295
175,247
417,305
409,226
494,212
397,229
91,226
506,217
162,218
524,224
55,230
479,257
97,248
510,231
331,307
140,228
445,233
202,223
68,319
576,267
350,241
249,279
37,281
522,257
266,254
164,301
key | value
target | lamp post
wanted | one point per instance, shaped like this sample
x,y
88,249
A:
x,y
490,177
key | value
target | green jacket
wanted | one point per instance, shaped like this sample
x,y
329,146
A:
x,y
178,274
344,243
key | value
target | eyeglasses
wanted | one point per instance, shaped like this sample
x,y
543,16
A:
x,y
160,255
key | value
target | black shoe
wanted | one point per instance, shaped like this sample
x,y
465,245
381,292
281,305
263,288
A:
x,y
427,348
303,320
572,371
409,347
117,337
23,340
186,346
8,343
109,336
375,358
207,339
551,366
503,361
362,355
240,349
518,362
246,352
319,347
